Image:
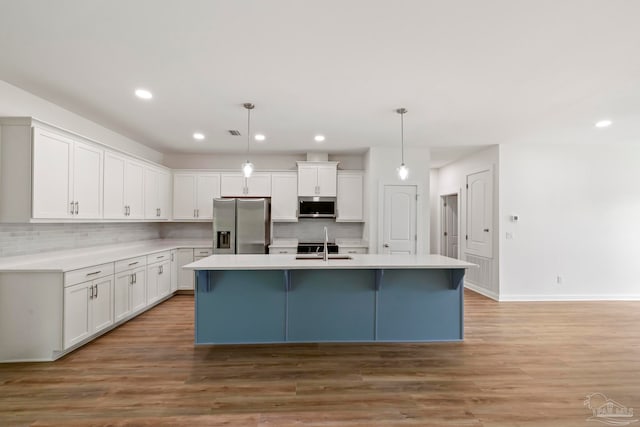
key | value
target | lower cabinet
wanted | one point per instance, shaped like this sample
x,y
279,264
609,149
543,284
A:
x,y
158,281
185,277
88,309
130,295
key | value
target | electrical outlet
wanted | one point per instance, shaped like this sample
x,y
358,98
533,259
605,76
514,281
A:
x,y
559,280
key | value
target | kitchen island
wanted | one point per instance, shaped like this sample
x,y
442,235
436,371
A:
x,y
366,298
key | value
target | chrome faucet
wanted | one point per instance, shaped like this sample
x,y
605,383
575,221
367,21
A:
x,y
325,254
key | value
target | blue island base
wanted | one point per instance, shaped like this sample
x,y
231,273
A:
x,y
328,305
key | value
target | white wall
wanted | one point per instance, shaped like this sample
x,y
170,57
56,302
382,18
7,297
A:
x,y
579,209
452,180
434,206
381,165
15,102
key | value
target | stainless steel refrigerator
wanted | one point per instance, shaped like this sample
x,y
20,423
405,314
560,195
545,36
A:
x,y
241,226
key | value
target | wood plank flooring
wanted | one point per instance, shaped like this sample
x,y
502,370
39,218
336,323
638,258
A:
x,y
521,364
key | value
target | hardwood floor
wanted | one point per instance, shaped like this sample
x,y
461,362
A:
x,y
521,364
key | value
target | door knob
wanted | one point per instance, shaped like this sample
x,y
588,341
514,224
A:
x,y
386,245
486,230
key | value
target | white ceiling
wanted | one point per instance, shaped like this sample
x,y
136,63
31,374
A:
x,y
470,72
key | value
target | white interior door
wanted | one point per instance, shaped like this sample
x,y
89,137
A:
x,y
479,235
449,226
399,219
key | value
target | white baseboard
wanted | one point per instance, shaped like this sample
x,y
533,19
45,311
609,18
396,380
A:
x,y
482,291
507,298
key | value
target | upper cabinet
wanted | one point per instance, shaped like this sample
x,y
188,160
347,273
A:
x,y
123,187
67,177
284,197
236,185
317,179
350,196
157,191
193,194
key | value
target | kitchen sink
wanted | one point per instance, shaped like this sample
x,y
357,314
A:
x,y
320,258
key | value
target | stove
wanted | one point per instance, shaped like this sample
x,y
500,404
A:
x,y
308,248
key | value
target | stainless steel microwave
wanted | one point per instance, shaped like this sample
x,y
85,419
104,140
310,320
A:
x,y
316,207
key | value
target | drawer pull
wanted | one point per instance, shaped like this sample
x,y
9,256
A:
x,y
94,273
161,256
134,263
352,252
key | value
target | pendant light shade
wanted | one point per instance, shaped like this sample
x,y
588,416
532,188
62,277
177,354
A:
x,y
247,167
403,171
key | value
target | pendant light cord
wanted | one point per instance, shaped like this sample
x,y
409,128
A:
x,y
248,130
402,134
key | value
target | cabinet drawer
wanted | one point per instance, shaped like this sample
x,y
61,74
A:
x,y
158,257
282,250
131,263
202,252
89,273
352,250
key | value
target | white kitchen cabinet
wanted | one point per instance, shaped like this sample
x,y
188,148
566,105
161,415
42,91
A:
x,y
281,250
352,249
236,185
130,292
193,195
123,187
158,281
88,309
185,277
284,197
67,177
350,197
174,270
156,193
317,179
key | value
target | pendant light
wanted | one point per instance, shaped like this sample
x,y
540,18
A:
x,y
403,171
247,167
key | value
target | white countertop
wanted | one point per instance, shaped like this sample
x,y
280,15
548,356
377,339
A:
x,y
358,261
67,260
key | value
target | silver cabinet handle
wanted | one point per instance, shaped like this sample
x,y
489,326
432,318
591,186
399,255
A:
x,y
72,205
352,252
172,256
160,257
77,208
194,213
133,263
160,270
386,245
94,273
96,286
486,230
91,292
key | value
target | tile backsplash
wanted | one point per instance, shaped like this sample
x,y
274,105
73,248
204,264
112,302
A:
x,y
312,230
24,239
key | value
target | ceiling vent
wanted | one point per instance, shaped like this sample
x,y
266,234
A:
x,y
234,132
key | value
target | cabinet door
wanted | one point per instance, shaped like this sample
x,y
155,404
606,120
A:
x,y
134,190
350,203
102,303
184,195
113,193
259,185
151,191
307,181
174,270
52,175
121,307
327,180
284,196
87,180
138,295
232,185
153,273
208,189
185,277
164,279
77,321
164,194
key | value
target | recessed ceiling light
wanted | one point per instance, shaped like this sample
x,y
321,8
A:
x,y
143,94
260,137
319,138
199,136
603,123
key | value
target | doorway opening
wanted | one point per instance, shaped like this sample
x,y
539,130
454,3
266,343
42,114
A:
x,y
449,242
